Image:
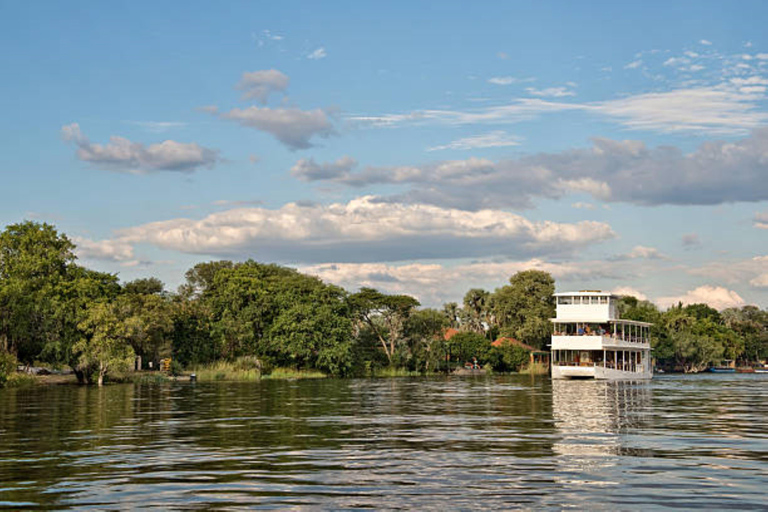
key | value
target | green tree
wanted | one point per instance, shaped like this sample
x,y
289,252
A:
x,y
148,320
476,310
146,286
465,346
523,308
451,313
751,324
34,260
393,310
425,329
509,357
104,347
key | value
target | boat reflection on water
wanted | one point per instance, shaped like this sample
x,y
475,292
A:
x,y
594,421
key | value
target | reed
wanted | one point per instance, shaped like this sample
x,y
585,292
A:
x,y
292,373
535,368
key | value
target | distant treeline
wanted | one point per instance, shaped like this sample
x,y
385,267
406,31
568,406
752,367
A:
x,y
58,313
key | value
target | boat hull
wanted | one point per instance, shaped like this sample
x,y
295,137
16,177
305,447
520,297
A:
x,y
597,373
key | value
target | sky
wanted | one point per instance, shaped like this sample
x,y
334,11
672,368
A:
x,y
416,147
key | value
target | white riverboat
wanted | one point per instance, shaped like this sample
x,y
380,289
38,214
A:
x,y
590,341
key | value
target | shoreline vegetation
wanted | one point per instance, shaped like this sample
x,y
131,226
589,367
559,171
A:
x,y
253,321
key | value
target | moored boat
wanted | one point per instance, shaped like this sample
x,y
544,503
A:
x,y
590,341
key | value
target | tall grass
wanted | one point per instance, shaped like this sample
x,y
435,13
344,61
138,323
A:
x,y
224,370
237,371
292,373
536,368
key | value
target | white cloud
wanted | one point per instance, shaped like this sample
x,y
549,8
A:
x,y
641,252
760,281
715,296
293,127
365,229
494,139
318,54
125,156
733,272
436,283
717,110
108,250
159,126
260,84
634,64
503,80
629,291
705,42
761,220
551,92
584,206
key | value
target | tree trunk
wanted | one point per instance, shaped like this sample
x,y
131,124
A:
x,y
102,372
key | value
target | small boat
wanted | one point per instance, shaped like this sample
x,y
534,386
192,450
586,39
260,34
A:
x,y
761,370
726,366
745,369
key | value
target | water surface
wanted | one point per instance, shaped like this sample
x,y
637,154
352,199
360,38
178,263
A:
x,y
498,442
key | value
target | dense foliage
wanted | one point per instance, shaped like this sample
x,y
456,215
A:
x,y
56,312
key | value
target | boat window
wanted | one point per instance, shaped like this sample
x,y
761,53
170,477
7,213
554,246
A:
x,y
565,300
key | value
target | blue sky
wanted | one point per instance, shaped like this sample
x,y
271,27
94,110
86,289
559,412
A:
x,y
420,148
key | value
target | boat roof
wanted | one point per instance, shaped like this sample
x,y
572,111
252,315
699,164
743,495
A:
x,y
600,321
591,293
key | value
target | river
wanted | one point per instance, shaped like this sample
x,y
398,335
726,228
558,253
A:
x,y
501,442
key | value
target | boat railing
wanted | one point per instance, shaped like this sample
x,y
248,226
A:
x,y
625,367
631,339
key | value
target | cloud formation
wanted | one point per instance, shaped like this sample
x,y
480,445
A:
x,y
723,108
611,170
436,283
641,252
260,84
716,297
122,155
318,54
106,250
494,139
366,229
292,126
761,220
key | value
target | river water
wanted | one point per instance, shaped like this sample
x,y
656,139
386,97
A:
x,y
501,442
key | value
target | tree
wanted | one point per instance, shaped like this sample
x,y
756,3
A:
x,y
201,277
148,320
425,329
467,345
104,346
509,357
476,304
751,324
523,308
146,286
451,313
368,304
34,260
